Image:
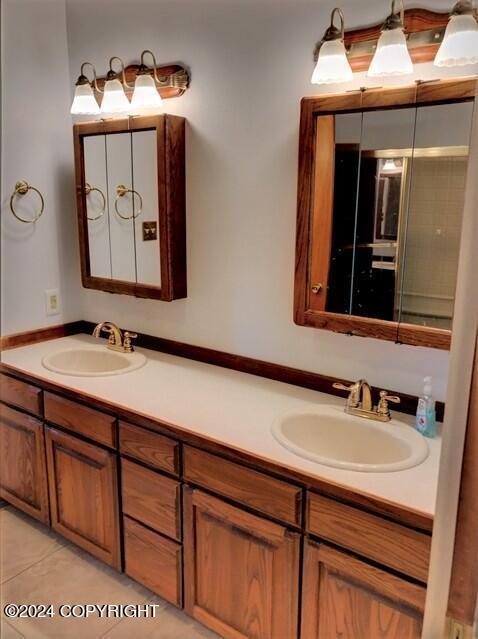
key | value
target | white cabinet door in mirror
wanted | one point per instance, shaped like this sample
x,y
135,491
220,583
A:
x,y
122,207
97,206
145,180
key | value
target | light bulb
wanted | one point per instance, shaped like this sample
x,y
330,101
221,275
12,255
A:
x,y
145,95
114,98
460,44
392,56
332,64
84,102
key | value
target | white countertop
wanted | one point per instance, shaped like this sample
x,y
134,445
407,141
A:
x,y
232,408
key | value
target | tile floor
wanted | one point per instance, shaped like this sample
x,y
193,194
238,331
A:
x,y
38,566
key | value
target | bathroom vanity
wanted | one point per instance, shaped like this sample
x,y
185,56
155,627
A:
x,y
171,473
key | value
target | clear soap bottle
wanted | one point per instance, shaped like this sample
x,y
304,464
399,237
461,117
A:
x,y
426,414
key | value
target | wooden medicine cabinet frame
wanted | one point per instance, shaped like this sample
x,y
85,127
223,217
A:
x,y
315,205
170,135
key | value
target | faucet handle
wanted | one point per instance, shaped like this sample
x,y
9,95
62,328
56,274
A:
x,y
341,386
127,345
353,390
382,408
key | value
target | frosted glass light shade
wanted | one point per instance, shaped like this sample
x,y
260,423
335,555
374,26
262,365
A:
x,y
145,95
391,166
114,98
332,64
84,102
392,56
460,44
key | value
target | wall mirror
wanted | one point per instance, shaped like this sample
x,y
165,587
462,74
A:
x,y
380,201
130,182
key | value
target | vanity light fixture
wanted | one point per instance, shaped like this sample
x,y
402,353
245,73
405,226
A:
x,y
84,102
391,166
460,44
114,98
332,64
392,56
146,95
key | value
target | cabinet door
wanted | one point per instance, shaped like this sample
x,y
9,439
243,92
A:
x,y
241,571
348,598
82,481
23,480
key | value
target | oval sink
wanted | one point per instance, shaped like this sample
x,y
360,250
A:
x,y
93,362
329,436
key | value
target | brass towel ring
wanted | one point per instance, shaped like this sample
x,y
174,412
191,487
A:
x,y
21,188
121,191
88,189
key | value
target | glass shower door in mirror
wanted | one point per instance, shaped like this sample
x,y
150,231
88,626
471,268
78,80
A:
x,y
431,235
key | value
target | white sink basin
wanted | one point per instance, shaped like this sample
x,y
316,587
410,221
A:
x,y
93,362
329,436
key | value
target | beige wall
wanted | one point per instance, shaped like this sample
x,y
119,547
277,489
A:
x,y
251,62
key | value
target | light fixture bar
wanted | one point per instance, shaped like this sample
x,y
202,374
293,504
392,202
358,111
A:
x,y
425,33
415,41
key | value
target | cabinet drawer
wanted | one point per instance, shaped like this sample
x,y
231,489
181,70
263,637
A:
x,y
151,498
21,394
80,419
249,487
151,448
386,542
153,561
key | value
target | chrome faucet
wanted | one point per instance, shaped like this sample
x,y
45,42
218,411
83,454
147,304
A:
x,y
359,401
117,341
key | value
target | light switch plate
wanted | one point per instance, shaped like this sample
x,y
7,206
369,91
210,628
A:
x,y
52,301
150,231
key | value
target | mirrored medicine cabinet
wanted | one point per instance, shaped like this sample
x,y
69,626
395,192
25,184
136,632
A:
x,y
382,177
130,185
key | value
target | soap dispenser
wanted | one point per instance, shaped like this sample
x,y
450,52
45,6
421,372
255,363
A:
x,y
426,415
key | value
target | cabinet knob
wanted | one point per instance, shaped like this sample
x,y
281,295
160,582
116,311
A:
x,y
316,289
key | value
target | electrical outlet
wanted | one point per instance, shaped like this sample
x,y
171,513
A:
x,y
52,299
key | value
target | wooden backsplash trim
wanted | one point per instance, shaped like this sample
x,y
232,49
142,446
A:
x,y
40,335
268,370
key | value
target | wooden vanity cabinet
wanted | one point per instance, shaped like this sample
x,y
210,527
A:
x,y
237,546
23,478
83,488
345,597
241,571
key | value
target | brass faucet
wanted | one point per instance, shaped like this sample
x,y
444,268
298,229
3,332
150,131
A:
x,y
359,401
117,341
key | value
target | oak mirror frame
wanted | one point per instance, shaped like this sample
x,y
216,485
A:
x,y
318,165
130,191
